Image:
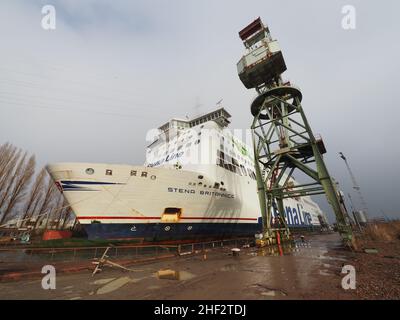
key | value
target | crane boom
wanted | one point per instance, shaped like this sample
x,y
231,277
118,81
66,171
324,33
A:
x,y
355,184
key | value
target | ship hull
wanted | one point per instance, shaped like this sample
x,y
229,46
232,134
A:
x,y
134,202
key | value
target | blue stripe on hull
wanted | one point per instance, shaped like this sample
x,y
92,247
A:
x,y
178,231
170,231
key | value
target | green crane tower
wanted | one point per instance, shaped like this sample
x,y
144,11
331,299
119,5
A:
x,y
284,143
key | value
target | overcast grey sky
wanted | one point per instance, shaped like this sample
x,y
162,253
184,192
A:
x,y
90,90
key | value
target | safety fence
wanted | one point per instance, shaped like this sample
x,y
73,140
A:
x,y
121,252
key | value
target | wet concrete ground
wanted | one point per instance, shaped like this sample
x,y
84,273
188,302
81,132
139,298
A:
x,y
254,274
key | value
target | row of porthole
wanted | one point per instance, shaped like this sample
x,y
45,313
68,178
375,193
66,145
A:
x,y
166,228
109,172
201,177
91,171
216,184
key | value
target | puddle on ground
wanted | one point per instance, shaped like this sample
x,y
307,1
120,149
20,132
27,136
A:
x,y
174,275
269,292
103,281
184,275
134,280
276,250
229,267
113,285
331,258
153,287
324,272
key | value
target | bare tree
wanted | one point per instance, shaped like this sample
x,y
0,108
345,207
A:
x,y
13,167
75,224
9,163
67,217
55,211
40,199
65,214
6,151
18,184
46,205
10,158
35,196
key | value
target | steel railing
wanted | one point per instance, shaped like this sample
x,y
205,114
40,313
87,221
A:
x,y
11,254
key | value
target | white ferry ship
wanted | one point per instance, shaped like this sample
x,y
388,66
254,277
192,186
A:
x,y
198,181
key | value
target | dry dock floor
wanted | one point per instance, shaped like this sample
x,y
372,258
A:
x,y
310,271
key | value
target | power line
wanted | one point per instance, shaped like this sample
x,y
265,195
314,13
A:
x,y
45,100
33,106
95,94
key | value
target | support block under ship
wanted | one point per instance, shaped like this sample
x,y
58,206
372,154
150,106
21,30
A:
x,y
198,182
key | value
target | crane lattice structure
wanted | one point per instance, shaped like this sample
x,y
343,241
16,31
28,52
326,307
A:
x,y
283,140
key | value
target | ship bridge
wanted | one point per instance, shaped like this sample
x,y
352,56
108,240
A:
x,y
175,126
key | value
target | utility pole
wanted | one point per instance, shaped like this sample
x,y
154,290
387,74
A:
x,y
355,184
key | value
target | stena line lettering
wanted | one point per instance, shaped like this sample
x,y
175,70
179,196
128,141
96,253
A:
x,y
289,215
168,158
295,216
201,192
300,215
216,193
180,190
307,218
